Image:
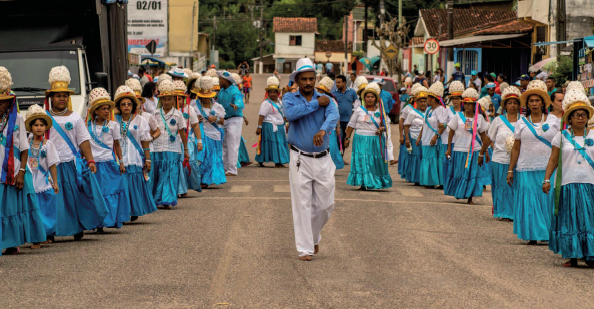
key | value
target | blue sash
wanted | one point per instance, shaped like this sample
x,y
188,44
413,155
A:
x,y
453,110
371,116
478,140
277,107
579,149
131,138
39,167
199,104
79,161
427,121
507,123
417,111
540,138
97,141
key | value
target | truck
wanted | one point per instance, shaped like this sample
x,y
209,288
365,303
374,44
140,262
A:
x,y
87,36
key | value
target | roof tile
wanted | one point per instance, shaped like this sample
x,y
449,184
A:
x,y
464,19
516,26
295,24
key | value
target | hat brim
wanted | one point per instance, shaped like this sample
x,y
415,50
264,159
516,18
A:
x,y
131,97
366,91
49,92
31,119
228,78
543,95
6,97
272,88
574,107
209,95
96,106
294,74
322,90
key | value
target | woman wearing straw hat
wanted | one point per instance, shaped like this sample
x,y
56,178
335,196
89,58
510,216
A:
x,y
531,151
484,105
360,84
456,89
167,149
272,145
403,153
412,129
325,87
80,201
212,171
501,134
43,159
467,130
105,144
369,164
148,116
572,225
19,211
436,117
135,139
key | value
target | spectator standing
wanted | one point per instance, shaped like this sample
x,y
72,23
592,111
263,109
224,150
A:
x,y
457,74
495,98
243,68
275,74
383,72
329,67
144,78
345,97
319,70
352,83
247,86
551,85
422,80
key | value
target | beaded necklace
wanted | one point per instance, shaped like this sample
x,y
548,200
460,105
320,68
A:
x,y
94,128
2,127
124,127
172,137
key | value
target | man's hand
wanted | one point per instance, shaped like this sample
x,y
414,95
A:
x,y
234,106
93,168
147,166
380,130
323,101
318,139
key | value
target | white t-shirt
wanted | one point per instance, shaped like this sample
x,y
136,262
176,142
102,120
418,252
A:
x,y
356,104
415,121
40,181
368,128
446,132
209,129
77,135
573,170
534,154
463,137
270,113
101,154
434,117
192,116
499,132
141,132
163,144
20,143
405,111
150,106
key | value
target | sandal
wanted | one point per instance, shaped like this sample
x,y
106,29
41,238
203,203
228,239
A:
x,y
13,250
36,246
572,263
79,236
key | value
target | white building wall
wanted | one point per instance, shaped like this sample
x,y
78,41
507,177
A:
x,y
282,47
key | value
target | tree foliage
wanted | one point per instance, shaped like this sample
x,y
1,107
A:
x,y
563,70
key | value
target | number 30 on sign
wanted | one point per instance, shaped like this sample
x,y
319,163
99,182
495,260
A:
x,y
431,47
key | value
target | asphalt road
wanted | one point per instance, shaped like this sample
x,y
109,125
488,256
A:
x,y
233,246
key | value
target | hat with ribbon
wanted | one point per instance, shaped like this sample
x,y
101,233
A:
x,y
272,83
203,87
99,97
325,85
436,90
166,89
408,81
211,73
456,89
226,75
360,84
421,92
125,92
539,88
510,93
134,84
215,84
5,83
7,174
177,72
164,77
59,79
470,95
374,88
193,77
180,88
414,90
484,102
303,65
574,100
35,112
575,85
503,86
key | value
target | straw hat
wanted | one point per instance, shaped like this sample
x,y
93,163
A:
x,y
414,90
163,77
211,73
484,102
539,88
5,83
59,78
575,85
203,87
166,89
192,77
35,112
374,88
134,84
456,89
180,88
573,100
470,95
325,85
503,86
188,72
125,92
99,97
408,81
436,90
421,92
215,84
303,65
272,83
510,93
360,84
225,75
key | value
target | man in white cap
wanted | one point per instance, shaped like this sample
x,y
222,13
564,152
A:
x,y
232,100
178,74
311,171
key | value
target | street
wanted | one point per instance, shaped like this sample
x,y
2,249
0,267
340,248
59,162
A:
x,y
233,246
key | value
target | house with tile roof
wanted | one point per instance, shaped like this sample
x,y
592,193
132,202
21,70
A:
x,y
294,38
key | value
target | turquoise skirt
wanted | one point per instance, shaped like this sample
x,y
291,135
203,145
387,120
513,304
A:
x,y
503,194
486,179
430,172
533,209
465,182
335,151
243,157
368,167
413,172
141,197
402,161
447,177
21,219
572,231
115,193
166,177
192,176
212,171
82,208
273,145
47,207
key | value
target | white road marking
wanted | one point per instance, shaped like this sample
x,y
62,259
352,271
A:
x,y
409,192
282,188
236,189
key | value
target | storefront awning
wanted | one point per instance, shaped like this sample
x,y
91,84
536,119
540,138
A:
x,y
589,41
551,43
478,39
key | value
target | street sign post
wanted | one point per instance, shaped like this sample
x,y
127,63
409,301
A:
x,y
151,47
391,51
431,47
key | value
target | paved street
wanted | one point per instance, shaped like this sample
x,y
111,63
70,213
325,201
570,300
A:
x,y
233,246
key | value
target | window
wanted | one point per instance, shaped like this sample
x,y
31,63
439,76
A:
x,y
469,61
295,40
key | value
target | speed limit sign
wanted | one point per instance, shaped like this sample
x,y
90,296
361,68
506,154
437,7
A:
x,y
431,46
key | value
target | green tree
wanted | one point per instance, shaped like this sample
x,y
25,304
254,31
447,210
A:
x,y
563,70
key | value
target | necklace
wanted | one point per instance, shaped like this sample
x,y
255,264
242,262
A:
x,y
124,127
35,151
579,161
2,127
94,127
539,128
59,113
172,137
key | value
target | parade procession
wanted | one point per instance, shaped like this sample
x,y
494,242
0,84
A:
x,y
429,154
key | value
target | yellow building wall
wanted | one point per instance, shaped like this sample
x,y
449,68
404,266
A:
x,y
180,25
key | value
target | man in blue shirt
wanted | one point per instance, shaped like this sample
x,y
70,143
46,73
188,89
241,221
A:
x,y
345,97
311,171
457,74
232,100
385,96
495,98
329,67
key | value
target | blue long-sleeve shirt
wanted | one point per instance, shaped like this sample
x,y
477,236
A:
x,y
388,101
229,96
306,119
345,100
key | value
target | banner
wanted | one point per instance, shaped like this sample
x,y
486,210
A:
x,y
147,21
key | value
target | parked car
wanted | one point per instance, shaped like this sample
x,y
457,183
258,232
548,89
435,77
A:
x,y
392,87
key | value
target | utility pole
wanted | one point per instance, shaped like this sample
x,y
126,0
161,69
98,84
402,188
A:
x,y
261,38
365,31
346,44
450,50
382,22
214,33
192,37
401,41
561,24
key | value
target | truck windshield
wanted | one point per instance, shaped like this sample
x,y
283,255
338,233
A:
x,y
30,70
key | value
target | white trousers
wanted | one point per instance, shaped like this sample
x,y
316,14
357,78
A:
x,y
231,143
312,197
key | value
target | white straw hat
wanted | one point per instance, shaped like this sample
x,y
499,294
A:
x,y
303,65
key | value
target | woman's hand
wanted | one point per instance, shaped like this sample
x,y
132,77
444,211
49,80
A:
x,y
546,187
56,188
346,144
448,154
258,131
186,153
92,167
19,182
433,140
487,157
200,118
510,178
480,160
199,146
212,119
122,168
418,142
380,130
147,166
407,144
402,140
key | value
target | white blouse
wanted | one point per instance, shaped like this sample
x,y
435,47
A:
x,y
20,143
77,134
434,117
101,154
150,106
463,137
534,154
363,125
415,121
270,113
163,144
140,131
499,132
40,180
446,132
575,167
209,130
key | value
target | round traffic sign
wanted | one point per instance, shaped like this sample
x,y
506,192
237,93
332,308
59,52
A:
x,y
431,46
328,54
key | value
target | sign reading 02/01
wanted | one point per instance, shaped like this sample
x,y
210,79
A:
x,y
431,46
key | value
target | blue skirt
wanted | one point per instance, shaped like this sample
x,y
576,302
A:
x,y
193,177
78,209
502,193
430,173
166,177
368,167
141,197
334,151
212,171
47,207
402,161
273,146
441,150
533,209
21,219
572,230
465,182
182,185
244,156
115,192
486,178
413,172
447,177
